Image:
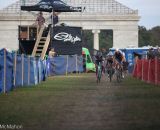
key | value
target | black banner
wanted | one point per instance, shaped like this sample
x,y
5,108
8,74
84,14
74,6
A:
x,y
67,40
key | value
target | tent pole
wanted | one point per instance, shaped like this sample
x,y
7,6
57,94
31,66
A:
x,y
51,34
52,18
52,24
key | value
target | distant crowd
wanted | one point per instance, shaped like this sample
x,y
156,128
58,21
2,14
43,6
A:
x,y
152,53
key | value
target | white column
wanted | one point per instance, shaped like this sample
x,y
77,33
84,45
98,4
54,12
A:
x,y
96,39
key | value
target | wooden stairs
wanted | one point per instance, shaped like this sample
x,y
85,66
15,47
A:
x,y
41,44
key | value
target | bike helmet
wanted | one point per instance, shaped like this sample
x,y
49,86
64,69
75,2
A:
x,y
110,54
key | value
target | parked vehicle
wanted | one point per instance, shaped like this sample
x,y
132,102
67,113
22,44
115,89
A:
x,y
88,64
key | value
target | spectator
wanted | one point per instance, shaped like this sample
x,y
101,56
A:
x,y
158,52
151,53
55,18
137,56
52,53
40,20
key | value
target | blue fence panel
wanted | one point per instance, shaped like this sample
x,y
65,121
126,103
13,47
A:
x,y
51,66
33,72
60,65
18,77
48,62
72,66
6,71
43,70
26,71
80,63
57,65
19,70
64,64
9,72
38,64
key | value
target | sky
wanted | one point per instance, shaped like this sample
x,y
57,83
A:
x,y
149,10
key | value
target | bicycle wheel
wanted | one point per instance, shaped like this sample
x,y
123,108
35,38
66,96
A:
x,y
99,74
110,74
119,75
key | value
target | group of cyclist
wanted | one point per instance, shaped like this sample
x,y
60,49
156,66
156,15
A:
x,y
114,59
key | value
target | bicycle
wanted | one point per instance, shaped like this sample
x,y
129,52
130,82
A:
x,y
119,72
99,72
110,71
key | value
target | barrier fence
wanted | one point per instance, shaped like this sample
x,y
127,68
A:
x,y
64,64
20,70
148,70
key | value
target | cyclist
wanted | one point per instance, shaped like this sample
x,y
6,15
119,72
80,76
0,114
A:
x,y
99,61
109,58
119,58
109,61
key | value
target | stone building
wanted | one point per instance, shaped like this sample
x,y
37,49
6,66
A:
x,y
97,15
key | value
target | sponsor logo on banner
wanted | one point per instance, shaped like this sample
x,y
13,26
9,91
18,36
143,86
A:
x,y
63,36
44,6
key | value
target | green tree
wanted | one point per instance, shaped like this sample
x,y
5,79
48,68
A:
x,y
105,39
149,37
155,34
87,39
144,36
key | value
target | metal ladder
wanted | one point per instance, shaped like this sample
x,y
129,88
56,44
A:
x,y
41,44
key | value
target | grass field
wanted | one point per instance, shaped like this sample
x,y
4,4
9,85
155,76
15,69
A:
x,y
77,102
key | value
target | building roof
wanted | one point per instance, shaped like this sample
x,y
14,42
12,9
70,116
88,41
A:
x,y
111,7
